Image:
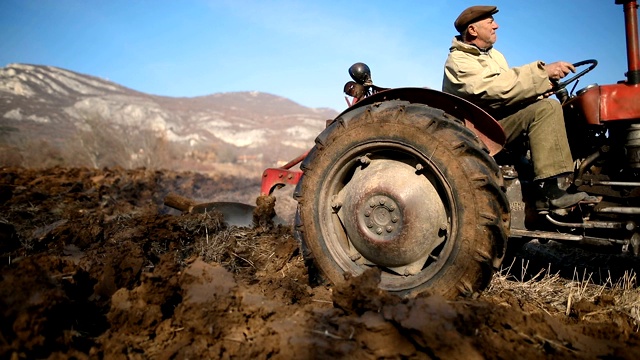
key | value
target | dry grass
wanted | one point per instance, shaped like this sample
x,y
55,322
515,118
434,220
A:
x,y
238,248
556,295
228,247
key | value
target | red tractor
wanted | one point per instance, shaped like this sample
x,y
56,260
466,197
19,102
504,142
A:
x,y
415,182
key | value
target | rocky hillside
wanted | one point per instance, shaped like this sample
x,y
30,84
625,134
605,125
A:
x,y
52,116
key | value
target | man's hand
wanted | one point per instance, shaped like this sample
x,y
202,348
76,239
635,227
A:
x,y
559,69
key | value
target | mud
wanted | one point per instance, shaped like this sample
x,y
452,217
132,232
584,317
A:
x,y
93,265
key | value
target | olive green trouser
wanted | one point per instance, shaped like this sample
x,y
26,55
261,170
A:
x,y
543,121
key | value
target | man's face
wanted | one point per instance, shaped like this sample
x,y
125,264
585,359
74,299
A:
x,y
485,32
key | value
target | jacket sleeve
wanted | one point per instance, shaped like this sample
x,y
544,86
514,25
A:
x,y
493,83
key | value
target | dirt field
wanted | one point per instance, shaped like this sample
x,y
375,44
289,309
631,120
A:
x,y
93,265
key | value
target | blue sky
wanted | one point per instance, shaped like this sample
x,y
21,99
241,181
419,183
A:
x,y
300,50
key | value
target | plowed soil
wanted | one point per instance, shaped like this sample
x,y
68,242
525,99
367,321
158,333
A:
x,y
93,265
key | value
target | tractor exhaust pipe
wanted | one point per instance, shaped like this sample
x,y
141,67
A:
x,y
631,27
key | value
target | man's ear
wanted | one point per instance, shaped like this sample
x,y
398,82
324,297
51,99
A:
x,y
472,30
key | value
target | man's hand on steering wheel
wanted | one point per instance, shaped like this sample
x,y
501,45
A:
x,y
559,69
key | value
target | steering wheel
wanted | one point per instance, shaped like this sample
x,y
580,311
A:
x,y
557,86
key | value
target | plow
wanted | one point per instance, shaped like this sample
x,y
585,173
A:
x,y
419,183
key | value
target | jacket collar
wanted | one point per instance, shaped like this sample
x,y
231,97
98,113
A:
x,y
458,44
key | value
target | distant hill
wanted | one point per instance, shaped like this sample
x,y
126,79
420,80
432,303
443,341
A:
x,y
52,116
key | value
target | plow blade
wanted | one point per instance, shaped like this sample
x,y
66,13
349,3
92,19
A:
x,y
235,214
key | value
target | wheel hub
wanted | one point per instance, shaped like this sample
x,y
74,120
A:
x,y
381,217
393,216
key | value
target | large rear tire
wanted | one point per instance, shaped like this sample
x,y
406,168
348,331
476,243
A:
x,y
408,189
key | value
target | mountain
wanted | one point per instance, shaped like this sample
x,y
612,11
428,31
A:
x,y
52,116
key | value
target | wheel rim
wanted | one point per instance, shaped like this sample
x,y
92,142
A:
x,y
389,207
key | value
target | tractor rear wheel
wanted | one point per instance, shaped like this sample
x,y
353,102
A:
x,y
407,189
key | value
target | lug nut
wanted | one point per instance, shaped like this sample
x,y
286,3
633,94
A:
x,y
335,203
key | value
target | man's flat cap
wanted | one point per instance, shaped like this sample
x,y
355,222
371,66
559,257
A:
x,y
473,14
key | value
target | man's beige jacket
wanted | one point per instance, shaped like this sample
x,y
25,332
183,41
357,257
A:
x,y
484,77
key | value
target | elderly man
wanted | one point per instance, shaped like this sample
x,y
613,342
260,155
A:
x,y
516,97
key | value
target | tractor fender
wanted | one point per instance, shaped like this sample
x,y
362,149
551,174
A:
x,y
480,122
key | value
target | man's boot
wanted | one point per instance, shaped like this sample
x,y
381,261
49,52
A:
x,y
551,196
